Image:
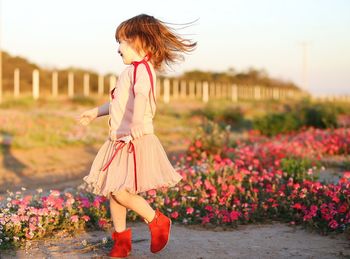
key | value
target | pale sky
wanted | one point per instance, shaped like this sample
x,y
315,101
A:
x,y
264,34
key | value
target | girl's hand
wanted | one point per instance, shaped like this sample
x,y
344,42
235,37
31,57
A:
x,y
86,117
136,130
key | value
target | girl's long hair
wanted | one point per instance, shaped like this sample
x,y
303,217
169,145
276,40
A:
x,y
148,34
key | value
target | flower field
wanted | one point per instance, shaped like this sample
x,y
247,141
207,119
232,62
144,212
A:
x,y
226,182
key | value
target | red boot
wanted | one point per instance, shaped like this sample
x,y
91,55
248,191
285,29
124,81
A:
x,y
122,243
160,231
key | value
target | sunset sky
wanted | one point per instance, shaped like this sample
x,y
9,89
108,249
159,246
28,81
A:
x,y
230,34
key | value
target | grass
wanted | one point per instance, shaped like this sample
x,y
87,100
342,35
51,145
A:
x,y
51,122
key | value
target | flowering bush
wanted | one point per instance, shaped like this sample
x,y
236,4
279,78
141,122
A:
x,y
35,216
238,182
262,178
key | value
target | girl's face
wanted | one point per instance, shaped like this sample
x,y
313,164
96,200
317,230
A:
x,y
127,53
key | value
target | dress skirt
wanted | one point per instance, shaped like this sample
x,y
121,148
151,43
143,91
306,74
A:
x,y
113,171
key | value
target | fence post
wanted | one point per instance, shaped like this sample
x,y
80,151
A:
x,y
205,92
100,85
276,93
36,84
54,84
70,84
166,95
86,84
218,90
112,82
198,89
16,81
212,90
234,94
257,92
192,90
175,89
224,91
183,89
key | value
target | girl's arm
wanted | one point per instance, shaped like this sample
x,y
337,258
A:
x,y
100,111
103,110
136,126
86,117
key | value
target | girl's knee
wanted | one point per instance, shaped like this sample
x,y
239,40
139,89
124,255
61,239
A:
x,y
121,196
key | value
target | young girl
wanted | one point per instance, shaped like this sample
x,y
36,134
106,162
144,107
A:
x,y
133,160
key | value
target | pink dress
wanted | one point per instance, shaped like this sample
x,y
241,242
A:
x,y
142,164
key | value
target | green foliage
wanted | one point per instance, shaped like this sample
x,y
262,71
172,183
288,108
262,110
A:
x,y
24,102
293,118
273,124
231,116
319,116
83,100
299,169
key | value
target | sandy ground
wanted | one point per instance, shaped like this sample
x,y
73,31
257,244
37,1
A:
x,y
252,241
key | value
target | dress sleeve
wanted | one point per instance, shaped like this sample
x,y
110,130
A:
x,y
143,82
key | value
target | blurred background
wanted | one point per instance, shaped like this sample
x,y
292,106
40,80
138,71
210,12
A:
x,y
271,66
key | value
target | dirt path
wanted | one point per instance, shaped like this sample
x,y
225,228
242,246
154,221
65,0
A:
x,y
253,241
48,168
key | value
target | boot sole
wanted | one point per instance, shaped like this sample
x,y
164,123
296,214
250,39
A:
x,y
119,256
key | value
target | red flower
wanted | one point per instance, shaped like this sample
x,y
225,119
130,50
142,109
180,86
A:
x,y
333,224
342,208
208,208
205,219
234,215
297,206
198,143
102,223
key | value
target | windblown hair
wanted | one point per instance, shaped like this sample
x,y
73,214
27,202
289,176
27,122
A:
x,y
152,36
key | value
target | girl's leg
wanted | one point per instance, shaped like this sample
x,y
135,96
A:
x,y
118,213
136,203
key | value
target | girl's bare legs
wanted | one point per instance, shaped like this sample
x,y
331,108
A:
x,y
136,203
118,213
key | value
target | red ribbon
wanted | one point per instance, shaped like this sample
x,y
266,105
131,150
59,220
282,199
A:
x,y
118,145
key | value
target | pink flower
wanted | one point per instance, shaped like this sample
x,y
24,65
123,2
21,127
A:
x,y
29,234
15,219
74,218
85,218
152,192
85,202
174,215
189,210
187,187
32,227
205,219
